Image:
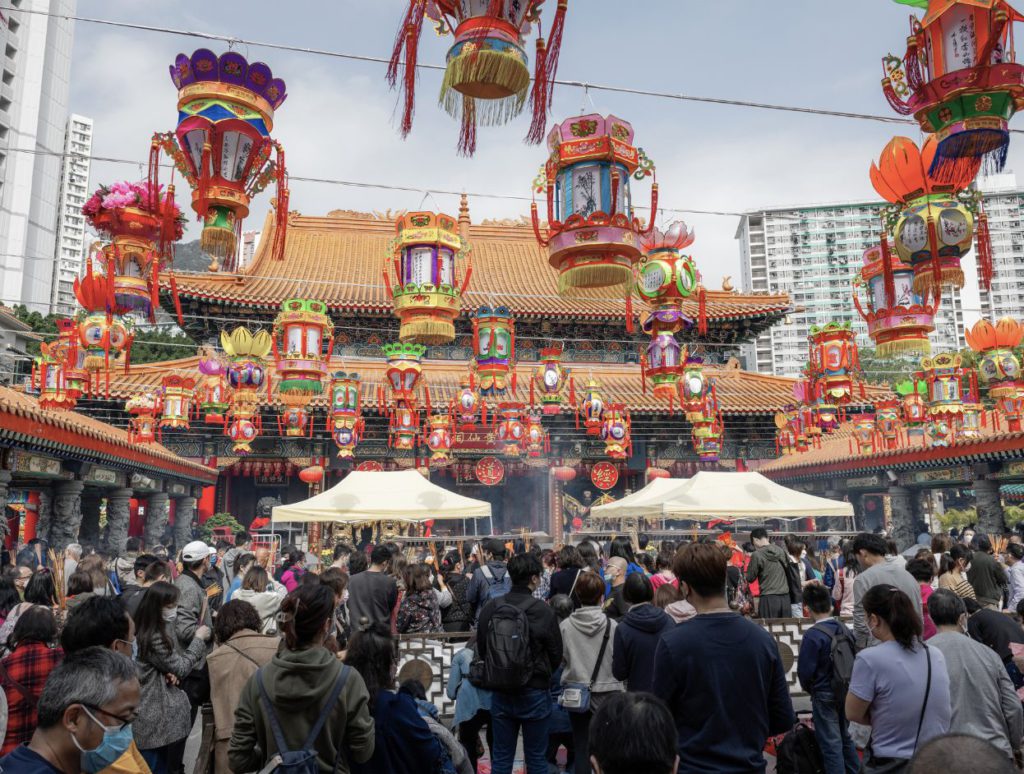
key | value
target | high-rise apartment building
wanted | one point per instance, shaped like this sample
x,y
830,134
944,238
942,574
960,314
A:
x,y
247,248
35,73
813,253
1004,204
72,244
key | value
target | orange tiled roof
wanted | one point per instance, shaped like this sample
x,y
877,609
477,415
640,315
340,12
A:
x,y
739,392
339,259
837,456
20,414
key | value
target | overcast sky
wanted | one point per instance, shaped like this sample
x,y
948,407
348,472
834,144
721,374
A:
x,y
338,120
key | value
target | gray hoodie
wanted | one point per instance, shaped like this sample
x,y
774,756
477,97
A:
x,y
582,633
768,568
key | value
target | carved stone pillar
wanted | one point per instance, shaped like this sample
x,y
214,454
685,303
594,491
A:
x,y
903,503
157,515
184,512
67,514
45,514
991,519
118,516
89,531
5,480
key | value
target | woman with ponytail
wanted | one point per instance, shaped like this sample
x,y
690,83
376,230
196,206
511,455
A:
x,y
899,687
404,742
301,683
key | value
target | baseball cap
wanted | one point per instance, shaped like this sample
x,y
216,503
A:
x,y
196,551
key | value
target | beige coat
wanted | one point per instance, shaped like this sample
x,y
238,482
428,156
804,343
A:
x,y
229,672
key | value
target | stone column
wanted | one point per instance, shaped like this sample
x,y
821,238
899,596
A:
x,y
991,519
118,515
157,515
67,514
902,502
184,512
5,480
89,532
45,514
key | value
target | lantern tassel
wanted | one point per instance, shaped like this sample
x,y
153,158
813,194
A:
x,y
177,300
643,374
280,208
531,393
535,219
467,135
412,36
153,173
555,48
572,391
630,324
887,271
539,96
983,247
465,281
702,311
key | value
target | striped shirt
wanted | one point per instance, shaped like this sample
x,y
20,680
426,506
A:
x,y
958,584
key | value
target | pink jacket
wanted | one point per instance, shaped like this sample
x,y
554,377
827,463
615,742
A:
x,y
681,611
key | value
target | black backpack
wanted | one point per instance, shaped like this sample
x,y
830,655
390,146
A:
x,y
303,760
509,661
796,591
843,653
798,753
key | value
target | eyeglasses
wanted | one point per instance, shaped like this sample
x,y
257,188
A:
x,y
124,721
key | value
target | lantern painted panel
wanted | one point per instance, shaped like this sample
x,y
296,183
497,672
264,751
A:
x,y
616,431
303,340
998,364
510,431
864,433
592,407
888,422
212,392
142,410
439,439
494,350
175,396
833,361
551,379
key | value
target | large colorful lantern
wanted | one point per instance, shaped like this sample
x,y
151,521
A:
x,y
403,374
510,431
665,279
887,421
999,366
426,292
959,79
864,433
785,435
98,333
551,380
592,237
932,223
914,407
693,386
708,429
833,361
591,408
141,223
50,376
345,421
467,408
222,144
898,319
943,375
175,396
439,438
494,350
301,329
536,440
213,393
246,375
615,431
486,75
142,410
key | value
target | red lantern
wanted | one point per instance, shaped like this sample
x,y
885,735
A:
x,y
563,473
371,466
312,474
510,431
653,473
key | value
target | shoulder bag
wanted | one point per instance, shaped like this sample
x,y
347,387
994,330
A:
x,y
576,696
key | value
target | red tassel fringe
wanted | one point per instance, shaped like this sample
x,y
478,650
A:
x,y
467,136
890,280
983,246
702,311
630,327
555,48
539,97
411,46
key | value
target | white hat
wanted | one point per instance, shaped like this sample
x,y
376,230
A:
x,y
196,551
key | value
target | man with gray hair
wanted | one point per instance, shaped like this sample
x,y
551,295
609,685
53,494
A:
x,y
84,716
984,702
71,556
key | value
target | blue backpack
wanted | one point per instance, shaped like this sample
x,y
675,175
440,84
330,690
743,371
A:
x,y
496,587
303,760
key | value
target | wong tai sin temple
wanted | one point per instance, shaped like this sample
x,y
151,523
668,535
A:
x,y
508,408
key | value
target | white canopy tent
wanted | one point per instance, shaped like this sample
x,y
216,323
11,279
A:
x,y
643,502
374,496
732,496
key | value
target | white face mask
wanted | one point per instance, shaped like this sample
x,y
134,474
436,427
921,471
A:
x,y
170,614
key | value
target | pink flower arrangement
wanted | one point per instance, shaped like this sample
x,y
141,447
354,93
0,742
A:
x,y
108,199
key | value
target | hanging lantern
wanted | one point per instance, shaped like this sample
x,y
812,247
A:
x,y
998,365
970,423
345,422
665,279
403,374
563,473
708,428
243,428
247,354
311,475
592,408
439,439
142,410
785,437
932,223
592,237
887,421
494,350
49,376
486,75
1012,408
551,380
536,439
693,386
222,144
426,292
142,222
301,329
833,361
212,393
653,473
467,407
615,431
175,396
798,431
913,407
294,422
864,433
898,319
826,414
943,376
98,333
959,78
510,431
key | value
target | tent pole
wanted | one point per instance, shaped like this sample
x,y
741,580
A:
x,y
490,524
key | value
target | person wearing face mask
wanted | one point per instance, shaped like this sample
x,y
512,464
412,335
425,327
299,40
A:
x,y
984,702
194,611
303,684
164,720
85,714
953,572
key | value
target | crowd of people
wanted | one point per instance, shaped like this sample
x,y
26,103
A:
x,y
608,657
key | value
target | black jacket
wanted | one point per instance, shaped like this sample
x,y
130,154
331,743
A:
x,y
636,637
616,607
458,616
545,636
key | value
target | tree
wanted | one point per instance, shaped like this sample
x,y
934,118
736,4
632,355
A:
x,y
891,371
